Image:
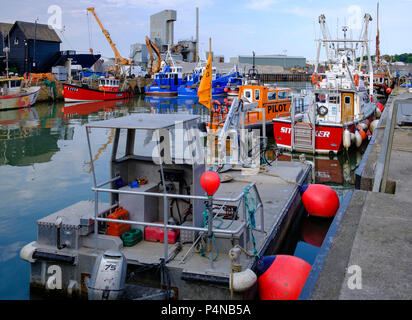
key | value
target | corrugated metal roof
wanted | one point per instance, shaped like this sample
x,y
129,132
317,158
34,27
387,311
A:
x,y
43,32
5,27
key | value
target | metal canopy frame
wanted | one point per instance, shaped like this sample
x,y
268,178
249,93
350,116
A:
x,y
142,121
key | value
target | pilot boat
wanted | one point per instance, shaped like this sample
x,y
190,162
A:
x,y
271,102
341,106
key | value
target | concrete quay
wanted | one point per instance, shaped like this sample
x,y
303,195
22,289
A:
x,y
367,255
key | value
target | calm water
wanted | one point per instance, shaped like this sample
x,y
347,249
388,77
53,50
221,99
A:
x,y
44,167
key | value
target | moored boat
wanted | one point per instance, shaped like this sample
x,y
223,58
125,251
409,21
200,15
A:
x,y
341,105
108,89
14,93
271,101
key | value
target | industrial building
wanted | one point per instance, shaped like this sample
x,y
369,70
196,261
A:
x,y
272,60
162,34
162,29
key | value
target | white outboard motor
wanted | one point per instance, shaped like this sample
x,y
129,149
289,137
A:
x,y
108,277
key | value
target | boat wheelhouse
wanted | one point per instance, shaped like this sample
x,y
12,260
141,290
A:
x,y
271,102
339,102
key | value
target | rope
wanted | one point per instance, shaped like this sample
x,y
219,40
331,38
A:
x,y
250,203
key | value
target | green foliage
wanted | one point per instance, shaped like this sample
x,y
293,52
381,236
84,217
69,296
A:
x,y
404,57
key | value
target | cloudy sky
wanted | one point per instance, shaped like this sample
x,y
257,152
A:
x,y
236,26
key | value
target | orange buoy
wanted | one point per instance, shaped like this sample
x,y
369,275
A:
x,y
362,134
320,200
210,182
380,106
388,90
356,78
284,279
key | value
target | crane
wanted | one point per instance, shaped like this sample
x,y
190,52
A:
x,y
151,45
118,59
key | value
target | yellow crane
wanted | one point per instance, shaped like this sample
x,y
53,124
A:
x,y
118,59
152,46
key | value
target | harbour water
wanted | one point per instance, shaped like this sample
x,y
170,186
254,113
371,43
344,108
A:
x,y
44,168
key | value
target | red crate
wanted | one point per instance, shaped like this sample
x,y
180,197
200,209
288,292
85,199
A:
x,y
156,234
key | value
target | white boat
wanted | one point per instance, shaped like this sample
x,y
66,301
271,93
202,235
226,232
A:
x,y
15,94
340,102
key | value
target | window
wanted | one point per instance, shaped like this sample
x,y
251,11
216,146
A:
x,y
320,97
16,41
282,95
257,94
334,99
271,96
347,100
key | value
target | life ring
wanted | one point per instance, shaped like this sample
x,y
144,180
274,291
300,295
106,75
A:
x,y
356,78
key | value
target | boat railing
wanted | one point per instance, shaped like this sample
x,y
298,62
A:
x,y
240,199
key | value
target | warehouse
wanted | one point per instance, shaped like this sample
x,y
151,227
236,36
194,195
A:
x,y
273,60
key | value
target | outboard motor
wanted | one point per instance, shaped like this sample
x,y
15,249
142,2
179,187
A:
x,y
108,277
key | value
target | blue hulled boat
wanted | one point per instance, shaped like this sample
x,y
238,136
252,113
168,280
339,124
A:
x,y
192,82
167,81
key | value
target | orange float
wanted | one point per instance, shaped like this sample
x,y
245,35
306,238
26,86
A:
x,y
320,200
284,279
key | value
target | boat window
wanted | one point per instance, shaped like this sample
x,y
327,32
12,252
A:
x,y
271,95
334,99
347,100
248,93
320,97
282,95
257,94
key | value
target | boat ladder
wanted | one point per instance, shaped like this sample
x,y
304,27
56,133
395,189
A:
x,y
302,133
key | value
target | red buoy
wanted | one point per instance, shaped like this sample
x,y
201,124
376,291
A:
x,y
320,201
284,279
388,90
210,182
380,106
226,89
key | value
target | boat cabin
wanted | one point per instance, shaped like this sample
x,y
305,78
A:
x,y
10,85
275,101
109,84
339,106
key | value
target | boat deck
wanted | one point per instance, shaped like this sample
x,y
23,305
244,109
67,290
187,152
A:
x,y
278,188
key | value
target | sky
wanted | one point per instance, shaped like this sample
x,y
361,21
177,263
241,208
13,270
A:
x,y
237,27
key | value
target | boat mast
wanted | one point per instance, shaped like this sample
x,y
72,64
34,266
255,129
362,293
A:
x,y
378,62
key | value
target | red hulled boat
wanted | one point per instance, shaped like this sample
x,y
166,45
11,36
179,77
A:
x,y
340,109
108,90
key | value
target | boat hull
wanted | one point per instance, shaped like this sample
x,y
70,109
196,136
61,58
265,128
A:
x,y
74,93
328,137
19,100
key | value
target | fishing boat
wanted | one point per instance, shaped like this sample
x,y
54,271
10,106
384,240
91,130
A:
x,y
167,81
219,82
271,102
341,106
232,87
108,89
16,93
